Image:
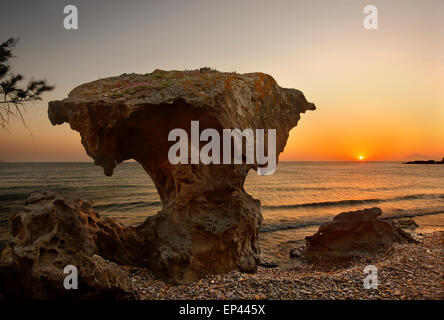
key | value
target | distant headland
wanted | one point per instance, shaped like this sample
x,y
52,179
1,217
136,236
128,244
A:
x,y
425,162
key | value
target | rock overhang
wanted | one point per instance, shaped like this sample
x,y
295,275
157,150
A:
x,y
208,223
252,100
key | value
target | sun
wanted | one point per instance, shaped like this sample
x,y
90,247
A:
x,y
361,157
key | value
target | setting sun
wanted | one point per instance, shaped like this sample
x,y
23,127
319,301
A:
x,y
361,157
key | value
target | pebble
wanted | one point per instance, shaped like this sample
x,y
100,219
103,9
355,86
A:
x,y
409,272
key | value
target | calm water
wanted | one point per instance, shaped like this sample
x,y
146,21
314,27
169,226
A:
x,y
295,200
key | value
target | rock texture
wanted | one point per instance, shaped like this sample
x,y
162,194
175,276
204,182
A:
x,y
406,223
208,223
52,232
354,234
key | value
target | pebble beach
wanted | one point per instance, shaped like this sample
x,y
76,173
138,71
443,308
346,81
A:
x,y
408,271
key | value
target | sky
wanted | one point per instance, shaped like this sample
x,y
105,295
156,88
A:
x,y
379,93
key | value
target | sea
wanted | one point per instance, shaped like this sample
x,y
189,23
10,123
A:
x,y
295,200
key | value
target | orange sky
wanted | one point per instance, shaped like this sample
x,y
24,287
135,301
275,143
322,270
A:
x,y
378,93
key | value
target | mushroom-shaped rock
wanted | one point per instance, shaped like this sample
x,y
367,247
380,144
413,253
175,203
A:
x,y
208,223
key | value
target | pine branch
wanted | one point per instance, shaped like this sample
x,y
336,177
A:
x,y
14,96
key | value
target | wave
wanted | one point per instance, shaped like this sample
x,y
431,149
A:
x,y
318,222
14,197
125,206
398,214
25,191
22,196
353,202
32,187
279,189
288,226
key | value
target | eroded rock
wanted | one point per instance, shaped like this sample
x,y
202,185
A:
x,y
354,234
54,231
208,223
406,223
296,253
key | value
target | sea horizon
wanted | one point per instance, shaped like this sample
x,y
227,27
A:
x,y
295,201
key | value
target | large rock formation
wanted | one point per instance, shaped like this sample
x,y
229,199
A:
x,y
354,234
53,232
208,223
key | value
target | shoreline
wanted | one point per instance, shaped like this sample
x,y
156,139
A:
x,y
409,271
277,250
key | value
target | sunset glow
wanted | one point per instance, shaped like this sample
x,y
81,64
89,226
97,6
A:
x,y
184,152
373,90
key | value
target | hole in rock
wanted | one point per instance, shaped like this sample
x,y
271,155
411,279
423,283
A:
x,y
139,189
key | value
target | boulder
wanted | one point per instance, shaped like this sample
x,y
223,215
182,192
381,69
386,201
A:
x,y
54,231
354,234
208,223
296,253
406,223
268,263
